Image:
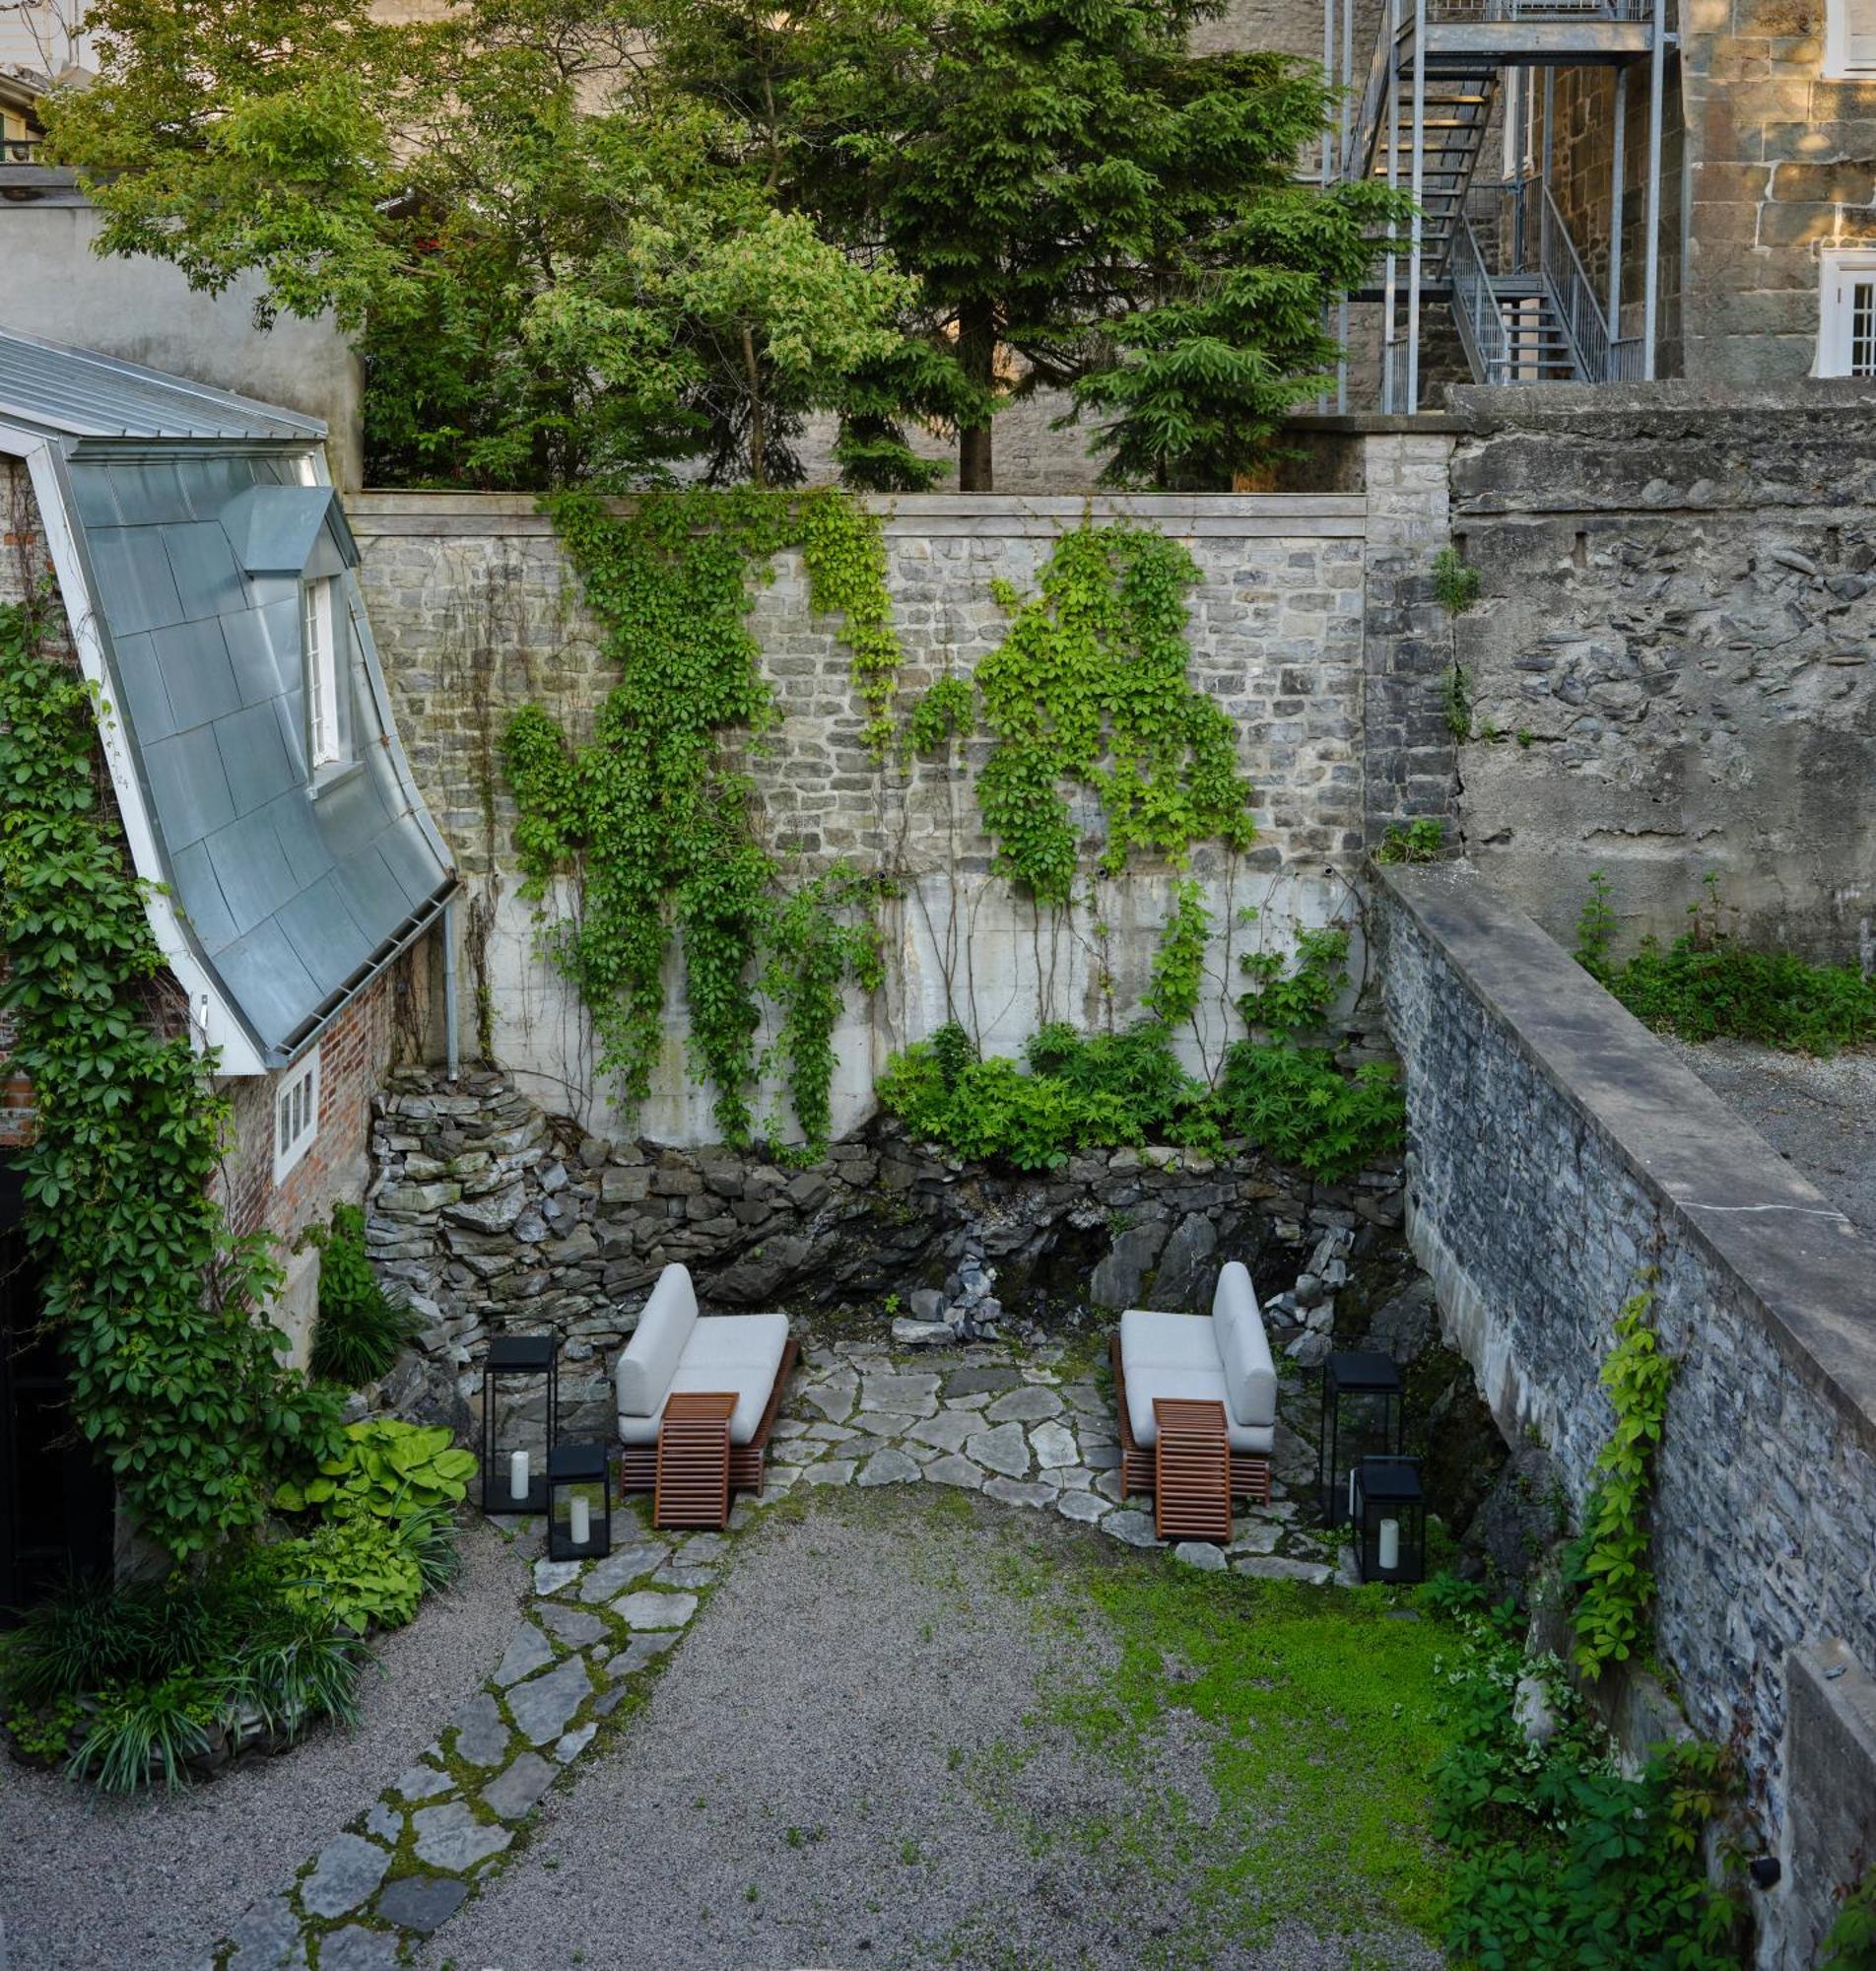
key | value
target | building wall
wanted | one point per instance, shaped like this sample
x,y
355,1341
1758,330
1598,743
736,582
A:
x,y
1560,1160
475,613
1780,165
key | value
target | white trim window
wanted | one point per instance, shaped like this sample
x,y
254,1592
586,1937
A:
x,y
325,731
1846,300
1849,40
295,1113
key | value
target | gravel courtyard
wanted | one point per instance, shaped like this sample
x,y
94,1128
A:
x,y
882,1742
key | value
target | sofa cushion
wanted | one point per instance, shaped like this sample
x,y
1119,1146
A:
x,y
650,1358
1147,1382
1167,1341
738,1354
1251,1376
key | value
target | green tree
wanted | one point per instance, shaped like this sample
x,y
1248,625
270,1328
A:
x,y
1084,204
554,267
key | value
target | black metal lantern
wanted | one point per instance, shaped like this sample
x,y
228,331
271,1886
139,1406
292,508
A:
x,y
1361,1418
579,1501
1391,1520
516,1447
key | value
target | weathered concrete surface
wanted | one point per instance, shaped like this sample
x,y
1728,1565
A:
x,y
1829,1837
1560,1158
1670,664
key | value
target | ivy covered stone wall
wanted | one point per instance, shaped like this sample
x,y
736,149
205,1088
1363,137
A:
x,y
477,613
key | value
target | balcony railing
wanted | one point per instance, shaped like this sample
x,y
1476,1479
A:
x,y
22,150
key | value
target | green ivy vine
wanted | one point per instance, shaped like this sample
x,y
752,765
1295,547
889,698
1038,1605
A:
x,y
175,1379
656,823
1088,688
1609,1564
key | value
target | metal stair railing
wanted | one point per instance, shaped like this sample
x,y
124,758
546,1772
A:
x,y
1475,308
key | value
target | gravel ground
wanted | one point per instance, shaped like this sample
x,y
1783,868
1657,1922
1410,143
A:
x,y
1819,1115
844,1766
131,1885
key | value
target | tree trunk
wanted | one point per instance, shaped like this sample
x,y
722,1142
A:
x,y
976,352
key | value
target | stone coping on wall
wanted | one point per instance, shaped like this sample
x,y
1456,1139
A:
x,y
1792,1252
937,515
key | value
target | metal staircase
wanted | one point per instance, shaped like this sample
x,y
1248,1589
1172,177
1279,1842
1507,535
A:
x,y
1500,254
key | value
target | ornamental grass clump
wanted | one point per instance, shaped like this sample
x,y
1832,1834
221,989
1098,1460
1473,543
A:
x,y
359,1329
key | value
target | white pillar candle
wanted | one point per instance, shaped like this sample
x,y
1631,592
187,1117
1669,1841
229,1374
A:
x,y
517,1475
583,1514
1351,1492
1390,1545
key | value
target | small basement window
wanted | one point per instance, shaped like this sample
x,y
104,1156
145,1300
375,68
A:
x,y
1849,40
1847,294
295,1113
325,732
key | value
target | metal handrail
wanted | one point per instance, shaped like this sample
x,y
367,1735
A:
x,y
1570,293
1444,13
1365,129
1475,308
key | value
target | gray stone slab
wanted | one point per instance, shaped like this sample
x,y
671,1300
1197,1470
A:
x,y
1030,1405
884,1423
954,1470
702,1547
1136,1528
1255,1537
1086,1400
980,1382
383,1823
836,1471
1277,1567
1054,1446
649,1610
515,1792
574,1626
356,1948
482,1733
570,1744
551,1576
889,1467
948,1430
422,1783
1201,1554
422,1903
834,1399
641,1650
266,1937
544,1707
345,1876
672,1575
621,1569
451,1837
528,1651
1002,1450
1084,1507
1012,1492
916,1394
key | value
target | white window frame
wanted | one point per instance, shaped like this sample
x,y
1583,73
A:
x,y
1838,65
295,1113
318,622
1840,268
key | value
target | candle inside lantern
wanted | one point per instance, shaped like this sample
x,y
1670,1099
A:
x,y
517,1475
1351,1492
1389,1545
582,1520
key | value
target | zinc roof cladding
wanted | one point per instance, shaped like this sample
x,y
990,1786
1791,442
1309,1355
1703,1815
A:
x,y
290,893
83,394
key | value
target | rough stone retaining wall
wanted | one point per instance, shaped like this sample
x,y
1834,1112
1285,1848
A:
x,y
483,1214
1558,1158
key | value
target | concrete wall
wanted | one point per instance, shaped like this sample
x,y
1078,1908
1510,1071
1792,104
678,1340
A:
x,y
1673,650
475,613
1560,1158
57,288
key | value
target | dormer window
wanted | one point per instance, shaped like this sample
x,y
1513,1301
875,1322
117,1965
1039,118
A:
x,y
325,729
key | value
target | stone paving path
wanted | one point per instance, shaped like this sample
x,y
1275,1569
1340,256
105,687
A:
x,y
1016,1429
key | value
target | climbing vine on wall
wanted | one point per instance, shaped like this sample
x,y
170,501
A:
x,y
657,825
1088,689
174,1375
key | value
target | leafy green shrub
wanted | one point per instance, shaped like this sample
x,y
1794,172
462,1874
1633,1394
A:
x,y
1295,1102
1422,840
359,1569
1562,1865
1850,1944
359,1330
1707,987
1292,995
1609,1564
1455,587
386,1467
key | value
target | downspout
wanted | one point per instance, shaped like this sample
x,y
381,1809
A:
x,y
451,1054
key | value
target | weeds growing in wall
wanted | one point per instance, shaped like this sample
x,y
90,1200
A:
x,y
656,824
175,1381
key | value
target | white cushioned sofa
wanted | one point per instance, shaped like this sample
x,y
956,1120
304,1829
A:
x,y
675,1350
1222,1357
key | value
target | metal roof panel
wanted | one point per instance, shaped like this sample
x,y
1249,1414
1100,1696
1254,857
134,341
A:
x,y
206,578
264,973
196,673
254,758
253,874
140,682
326,934
187,787
137,590
200,894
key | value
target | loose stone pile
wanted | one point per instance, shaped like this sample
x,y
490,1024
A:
x,y
1026,1430
484,1214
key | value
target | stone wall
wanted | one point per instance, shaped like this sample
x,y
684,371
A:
x,y
475,613
485,1213
1560,1158
1670,664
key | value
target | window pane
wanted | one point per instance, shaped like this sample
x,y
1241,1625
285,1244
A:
x,y
1862,326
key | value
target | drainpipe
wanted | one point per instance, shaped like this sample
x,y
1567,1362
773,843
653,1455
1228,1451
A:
x,y
1652,289
450,990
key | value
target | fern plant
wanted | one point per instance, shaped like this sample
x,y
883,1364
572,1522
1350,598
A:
x,y
359,1329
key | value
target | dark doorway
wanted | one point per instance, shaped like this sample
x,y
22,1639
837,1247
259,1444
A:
x,y
55,1502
